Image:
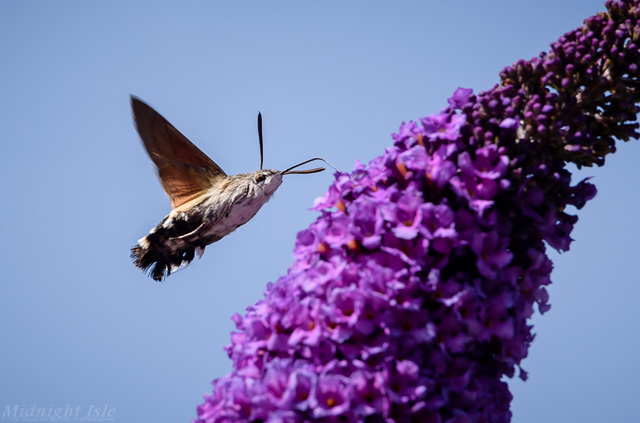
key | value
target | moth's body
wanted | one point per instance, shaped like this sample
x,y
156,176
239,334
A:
x,y
187,230
207,203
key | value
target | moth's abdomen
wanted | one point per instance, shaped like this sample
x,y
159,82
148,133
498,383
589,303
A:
x,y
167,246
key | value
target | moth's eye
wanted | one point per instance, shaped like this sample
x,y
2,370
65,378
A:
x,y
260,178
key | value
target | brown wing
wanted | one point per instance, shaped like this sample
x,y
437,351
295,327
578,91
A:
x,y
185,172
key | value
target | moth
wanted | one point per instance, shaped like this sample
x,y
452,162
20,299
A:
x,y
207,204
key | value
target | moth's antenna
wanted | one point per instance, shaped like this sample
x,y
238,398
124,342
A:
x,y
319,169
260,139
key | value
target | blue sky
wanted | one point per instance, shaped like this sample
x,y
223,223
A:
x,y
80,326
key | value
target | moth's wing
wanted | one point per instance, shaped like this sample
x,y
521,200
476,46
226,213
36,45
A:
x,y
185,172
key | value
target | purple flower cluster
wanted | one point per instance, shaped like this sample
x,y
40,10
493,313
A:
x,y
409,297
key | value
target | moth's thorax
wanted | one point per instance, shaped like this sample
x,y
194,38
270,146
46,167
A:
x,y
234,201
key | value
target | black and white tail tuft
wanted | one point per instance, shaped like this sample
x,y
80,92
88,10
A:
x,y
164,249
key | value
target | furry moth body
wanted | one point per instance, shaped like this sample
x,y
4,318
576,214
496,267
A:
x,y
207,204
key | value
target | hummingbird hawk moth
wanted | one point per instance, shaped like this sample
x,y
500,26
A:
x,y
207,204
